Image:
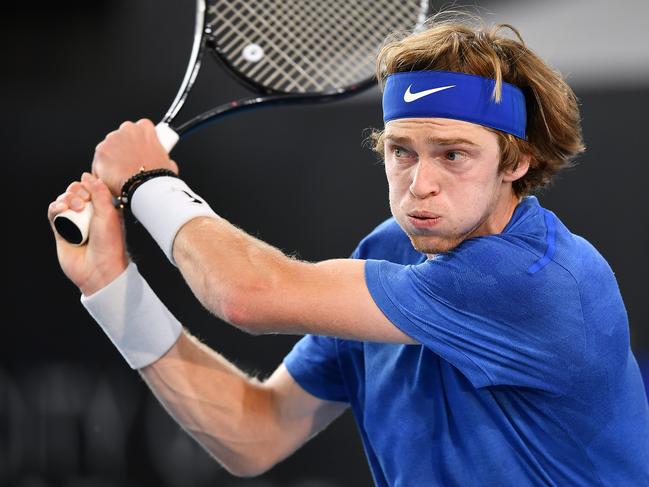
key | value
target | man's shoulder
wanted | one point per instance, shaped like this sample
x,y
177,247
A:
x,y
538,230
387,241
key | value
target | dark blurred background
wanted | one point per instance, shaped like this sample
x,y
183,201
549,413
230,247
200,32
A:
x,y
71,411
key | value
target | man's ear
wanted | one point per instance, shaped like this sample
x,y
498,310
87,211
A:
x,y
512,174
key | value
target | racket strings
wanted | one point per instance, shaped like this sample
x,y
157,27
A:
x,y
311,51
288,39
362,28
357,62
235,31
293,55
346,66
285,61
304,46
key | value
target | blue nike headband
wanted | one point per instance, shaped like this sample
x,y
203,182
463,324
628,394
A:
x,y
443,94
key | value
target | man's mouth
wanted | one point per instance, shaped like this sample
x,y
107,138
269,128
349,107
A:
x,y
423,220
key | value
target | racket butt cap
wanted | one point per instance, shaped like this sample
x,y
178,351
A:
x,y
73,225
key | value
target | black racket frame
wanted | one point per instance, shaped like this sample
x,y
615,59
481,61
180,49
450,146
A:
x,y
267,97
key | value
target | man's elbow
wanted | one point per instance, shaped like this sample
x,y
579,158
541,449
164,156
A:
x,y
249,469
255,461
263,303
250,310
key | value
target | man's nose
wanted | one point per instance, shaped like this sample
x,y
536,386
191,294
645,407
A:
x,y
425,179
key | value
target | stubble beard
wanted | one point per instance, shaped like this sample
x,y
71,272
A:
x,y
432,245
435,245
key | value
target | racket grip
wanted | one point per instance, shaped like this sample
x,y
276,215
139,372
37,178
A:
x,y
73,225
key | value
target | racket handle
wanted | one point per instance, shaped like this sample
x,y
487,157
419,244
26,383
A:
x,y
73,225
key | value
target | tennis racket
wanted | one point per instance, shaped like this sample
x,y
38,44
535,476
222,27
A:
x,y
284,51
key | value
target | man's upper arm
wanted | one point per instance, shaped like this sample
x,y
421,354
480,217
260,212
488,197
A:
x,y
329,298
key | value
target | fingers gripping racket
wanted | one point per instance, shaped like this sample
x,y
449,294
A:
x,y
284,51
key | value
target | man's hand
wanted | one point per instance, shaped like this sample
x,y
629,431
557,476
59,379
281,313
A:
x,y
104,258
126,151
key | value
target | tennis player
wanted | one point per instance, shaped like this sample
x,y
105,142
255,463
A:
x,y
475,338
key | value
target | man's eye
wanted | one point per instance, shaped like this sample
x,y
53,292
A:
x,y
400,152
453,155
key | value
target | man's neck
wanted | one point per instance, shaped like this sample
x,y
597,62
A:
x,y
500,217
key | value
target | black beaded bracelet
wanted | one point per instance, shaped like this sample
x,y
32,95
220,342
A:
x,y
138,179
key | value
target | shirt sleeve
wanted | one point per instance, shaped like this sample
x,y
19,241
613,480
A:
x,y
314,364
480,309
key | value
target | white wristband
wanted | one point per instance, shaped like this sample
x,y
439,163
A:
x,y
134,318
163,205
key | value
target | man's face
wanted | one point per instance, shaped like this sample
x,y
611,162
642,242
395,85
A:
x,y
444,181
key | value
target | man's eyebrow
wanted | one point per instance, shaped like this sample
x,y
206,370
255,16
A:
x,y
456,141
396,139
402,139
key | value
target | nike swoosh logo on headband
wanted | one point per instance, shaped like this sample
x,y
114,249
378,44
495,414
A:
x,y
409,97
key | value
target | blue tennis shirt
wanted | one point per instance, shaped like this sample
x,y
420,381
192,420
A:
x,y
524,373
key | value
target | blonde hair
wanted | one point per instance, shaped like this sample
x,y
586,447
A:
x,y
461,42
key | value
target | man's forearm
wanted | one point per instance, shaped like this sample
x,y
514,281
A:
x,y
228,269
246,425
231,415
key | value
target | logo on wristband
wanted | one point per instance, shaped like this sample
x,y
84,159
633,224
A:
x,y
192,197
